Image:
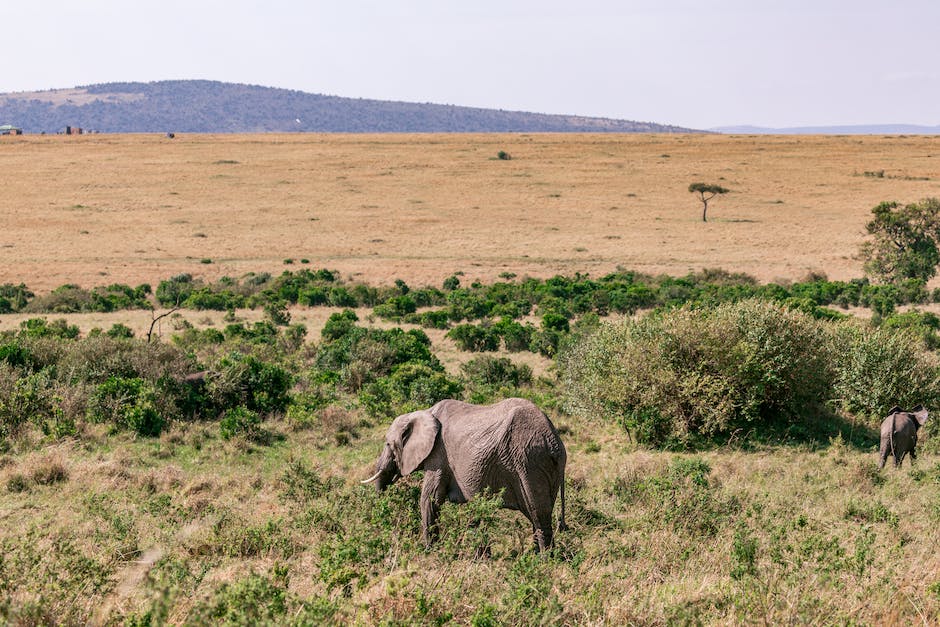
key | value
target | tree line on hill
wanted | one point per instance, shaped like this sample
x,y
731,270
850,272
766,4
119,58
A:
x,y
199,106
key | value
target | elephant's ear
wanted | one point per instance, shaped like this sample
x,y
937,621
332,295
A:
x,y
412,437
920,415
894,410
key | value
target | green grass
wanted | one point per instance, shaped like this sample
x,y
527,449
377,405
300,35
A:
x,y
190,527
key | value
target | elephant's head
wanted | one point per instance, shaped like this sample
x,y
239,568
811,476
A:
x,y
408,443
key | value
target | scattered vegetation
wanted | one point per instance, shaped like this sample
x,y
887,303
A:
x,y
720,436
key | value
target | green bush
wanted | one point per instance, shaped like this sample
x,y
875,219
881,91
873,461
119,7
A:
x,y
409,387
25,398
925,323
516,336
339,324
396,307
877,368
244,380
14,297
488,370
174,291
701,372
475,338
252,600
119,330
126,403
40,327
355,356
240,421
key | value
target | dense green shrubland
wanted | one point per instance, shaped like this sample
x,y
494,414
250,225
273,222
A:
x,y
718,356
570,297
748,368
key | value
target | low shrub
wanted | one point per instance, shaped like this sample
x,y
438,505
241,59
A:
x,y
40,327
240,421
252,600
475,338
496,371
240,380
409,387
126,403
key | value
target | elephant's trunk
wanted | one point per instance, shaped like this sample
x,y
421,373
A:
x,y
371,479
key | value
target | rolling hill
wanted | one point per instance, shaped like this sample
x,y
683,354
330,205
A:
x,y
198,106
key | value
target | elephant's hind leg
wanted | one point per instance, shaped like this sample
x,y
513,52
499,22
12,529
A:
x,y
540,516
884,458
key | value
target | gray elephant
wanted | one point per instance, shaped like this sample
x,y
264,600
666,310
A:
x,y
899,433
463,449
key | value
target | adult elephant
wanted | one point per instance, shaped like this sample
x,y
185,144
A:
x,y
899,434
509,447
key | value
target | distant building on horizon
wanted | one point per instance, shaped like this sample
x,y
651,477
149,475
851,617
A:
x,y
9,129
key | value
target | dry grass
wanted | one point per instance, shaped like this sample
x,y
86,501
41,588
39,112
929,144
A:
x,y
98,209
834,540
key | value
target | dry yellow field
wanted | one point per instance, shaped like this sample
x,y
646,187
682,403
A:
x,y
99,209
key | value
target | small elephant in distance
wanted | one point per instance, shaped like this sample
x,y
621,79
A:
x,y
899,434
463,449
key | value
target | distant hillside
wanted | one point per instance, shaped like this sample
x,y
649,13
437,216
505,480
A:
x,y
859,129
215,107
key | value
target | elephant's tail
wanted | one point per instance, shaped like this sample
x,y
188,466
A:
x,y
562,526
894,427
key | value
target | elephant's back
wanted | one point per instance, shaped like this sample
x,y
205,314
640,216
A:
x,y
518,422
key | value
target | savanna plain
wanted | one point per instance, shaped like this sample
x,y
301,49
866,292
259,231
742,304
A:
x,y
128,496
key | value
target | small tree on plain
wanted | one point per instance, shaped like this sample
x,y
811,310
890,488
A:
x,y
905,241
706,192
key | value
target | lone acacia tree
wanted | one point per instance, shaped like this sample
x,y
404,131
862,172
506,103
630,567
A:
x,y
906,241
706,192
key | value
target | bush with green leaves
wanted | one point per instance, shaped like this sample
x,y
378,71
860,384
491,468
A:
x,y
410,387
30,398
40,327
240,421
496,371
71,298
396,308
240,380
905,241
14,297
688,372
252,600
926,324
354,356
878,368
475,338
126,403
119,330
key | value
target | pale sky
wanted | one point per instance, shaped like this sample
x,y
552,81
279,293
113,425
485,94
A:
x,y
693,63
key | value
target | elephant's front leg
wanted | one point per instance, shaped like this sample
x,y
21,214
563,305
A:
x,y
433,494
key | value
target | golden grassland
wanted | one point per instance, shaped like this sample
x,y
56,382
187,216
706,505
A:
x,y
99,209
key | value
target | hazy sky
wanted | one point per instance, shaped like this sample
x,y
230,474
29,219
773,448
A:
x,y
695,63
